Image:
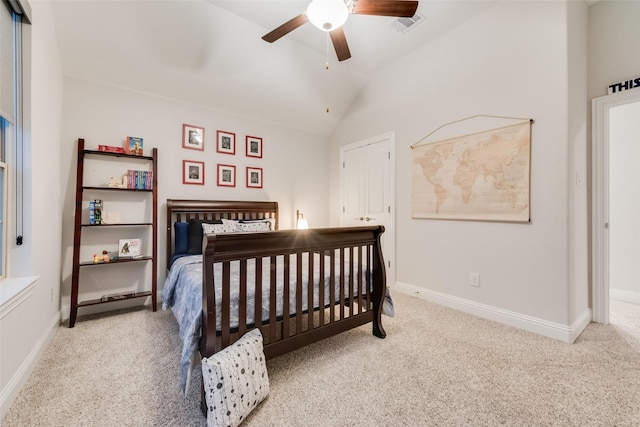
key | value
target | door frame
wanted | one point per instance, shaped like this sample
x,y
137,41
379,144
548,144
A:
x,y
390,252
600,108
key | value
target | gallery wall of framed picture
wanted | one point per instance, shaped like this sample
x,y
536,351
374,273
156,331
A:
x,y
193,170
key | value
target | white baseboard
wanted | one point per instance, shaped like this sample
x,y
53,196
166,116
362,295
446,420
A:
x,y
521,321
20,377
624,296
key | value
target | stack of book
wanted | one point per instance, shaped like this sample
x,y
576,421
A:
x,y
95,212
140,180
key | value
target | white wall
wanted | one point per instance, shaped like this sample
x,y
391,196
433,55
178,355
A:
x,y
295,163
614,40
578,170
513,60
624,202
29,321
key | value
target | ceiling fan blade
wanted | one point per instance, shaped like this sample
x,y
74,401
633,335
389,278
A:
x,y
340,44
285,28
399,8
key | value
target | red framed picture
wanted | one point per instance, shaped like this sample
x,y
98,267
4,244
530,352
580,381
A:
x,y
192,137
226,175
226,142
254,146
192,172
254,177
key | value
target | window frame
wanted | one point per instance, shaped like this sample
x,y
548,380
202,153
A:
x,y
12,146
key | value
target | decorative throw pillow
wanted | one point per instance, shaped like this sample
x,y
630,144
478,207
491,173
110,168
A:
x,y
181,236
271,221
256,225
195,234
225,227
235,380
231,223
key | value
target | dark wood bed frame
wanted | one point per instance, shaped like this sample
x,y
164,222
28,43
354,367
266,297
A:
x,y
286,332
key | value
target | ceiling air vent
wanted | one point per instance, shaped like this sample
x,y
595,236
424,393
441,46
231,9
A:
x,y
402,25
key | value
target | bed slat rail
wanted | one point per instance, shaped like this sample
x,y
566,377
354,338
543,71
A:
x,y
349,251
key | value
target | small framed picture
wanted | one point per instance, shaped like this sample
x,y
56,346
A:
x,y
254,146
192,172
254,177
128,248
226,176
192,137
226,142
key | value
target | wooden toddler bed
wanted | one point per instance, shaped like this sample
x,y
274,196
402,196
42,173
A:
x,y
297,286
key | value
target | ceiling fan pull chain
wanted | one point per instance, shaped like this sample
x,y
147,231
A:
x,y
326,67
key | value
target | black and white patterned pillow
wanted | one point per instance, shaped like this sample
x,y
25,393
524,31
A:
x,y
256,225
225,227
235,380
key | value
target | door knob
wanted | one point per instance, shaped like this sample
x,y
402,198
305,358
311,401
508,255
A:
x,y
359,218
369,219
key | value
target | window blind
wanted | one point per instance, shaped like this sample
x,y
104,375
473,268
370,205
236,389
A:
x,y
6,63
7,57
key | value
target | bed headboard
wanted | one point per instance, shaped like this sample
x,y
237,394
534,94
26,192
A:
x,y
184,210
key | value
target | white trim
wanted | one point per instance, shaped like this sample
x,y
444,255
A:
x,y
4,220
19,379
558,331
13,290
600,198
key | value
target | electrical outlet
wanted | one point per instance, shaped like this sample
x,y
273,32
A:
x,y
474,279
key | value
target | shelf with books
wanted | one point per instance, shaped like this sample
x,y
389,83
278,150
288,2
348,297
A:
x,y
112,154
136,207
117,189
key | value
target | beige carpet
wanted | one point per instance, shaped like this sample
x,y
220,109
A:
x,y
437,367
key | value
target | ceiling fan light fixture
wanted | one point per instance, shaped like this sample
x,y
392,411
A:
x,y
327,15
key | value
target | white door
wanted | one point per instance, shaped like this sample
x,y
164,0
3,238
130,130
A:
x,y
367,190
601,199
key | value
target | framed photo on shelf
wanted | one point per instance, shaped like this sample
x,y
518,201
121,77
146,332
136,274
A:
x,y
226,176
254,146
226,142
129,248
192,137
254,177
192,172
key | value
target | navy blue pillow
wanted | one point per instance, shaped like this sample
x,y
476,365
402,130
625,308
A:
x,y
196,233
181,235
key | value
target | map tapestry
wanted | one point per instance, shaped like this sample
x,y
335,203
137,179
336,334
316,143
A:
x,y
482,176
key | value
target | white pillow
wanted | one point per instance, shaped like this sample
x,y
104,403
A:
x,y
225,227
256,225
235,380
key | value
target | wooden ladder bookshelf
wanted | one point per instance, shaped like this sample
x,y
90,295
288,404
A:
x,y
81,227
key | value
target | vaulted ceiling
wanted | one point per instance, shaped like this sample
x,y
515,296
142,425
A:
x,y
210,53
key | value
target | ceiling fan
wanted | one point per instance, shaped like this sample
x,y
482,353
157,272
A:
x,y
330,15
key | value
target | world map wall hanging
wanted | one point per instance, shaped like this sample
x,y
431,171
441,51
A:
x,y
483,175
